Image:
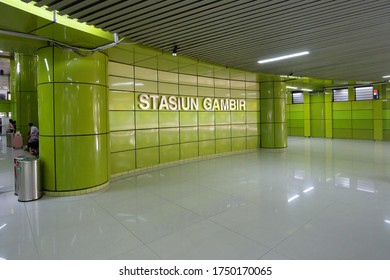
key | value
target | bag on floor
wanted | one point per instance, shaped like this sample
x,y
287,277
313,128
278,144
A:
x,y
18,141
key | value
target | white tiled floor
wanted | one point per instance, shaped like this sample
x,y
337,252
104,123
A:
x,y
318,199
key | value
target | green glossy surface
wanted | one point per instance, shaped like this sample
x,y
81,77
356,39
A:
x,y
189,150
223,145
122,140
121,100
147,157
223,131
169,136
188,90
122,120
189,134
238,117
222,118
188,118
146,119
146,138
253,142
70,67
206,118
238,130
206,148
81,162
120,69
47,159
252,117
123,161
206,132
238,144
253,129
70,119
169,89
363,114
169,119
169,153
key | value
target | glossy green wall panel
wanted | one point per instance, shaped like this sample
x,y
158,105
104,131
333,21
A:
x,y
206,118
189,150
169,119
45,66
223,145
239,144
206,148
70,67
121,100
84,167
47,160
223,118
206,132
362,114
363,134
188,118
147,157
238,130
122,120
146,119
253,142
169,136
122,140
146,138
170,89
120,69
122,161
169,153
238,117
70,119
223,131
120,83
189,134
362,124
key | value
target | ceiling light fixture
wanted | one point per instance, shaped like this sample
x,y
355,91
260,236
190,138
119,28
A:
x,y
387,76
291,87
283,57
174,51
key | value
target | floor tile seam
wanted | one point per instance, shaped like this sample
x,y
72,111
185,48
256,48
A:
x,y
139,239
34,237
299,229
240,234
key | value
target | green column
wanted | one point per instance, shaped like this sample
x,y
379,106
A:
x,y
73,117
273,115
378,114
23,82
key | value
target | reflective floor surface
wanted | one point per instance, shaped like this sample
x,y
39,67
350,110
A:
x,y
317,199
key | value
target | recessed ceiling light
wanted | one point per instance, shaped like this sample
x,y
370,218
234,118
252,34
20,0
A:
x,y
291,87
307,89
283,57
388,76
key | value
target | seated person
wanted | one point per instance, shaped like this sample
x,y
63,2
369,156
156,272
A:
x,y
33,138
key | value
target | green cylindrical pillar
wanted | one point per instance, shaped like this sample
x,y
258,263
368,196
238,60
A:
x,y
24,91
273,115
73,117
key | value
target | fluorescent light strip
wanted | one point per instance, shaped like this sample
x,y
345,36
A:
x,y
291,87
283,57
307,89
388,76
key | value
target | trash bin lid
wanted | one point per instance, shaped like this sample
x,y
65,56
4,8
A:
x,y
30,158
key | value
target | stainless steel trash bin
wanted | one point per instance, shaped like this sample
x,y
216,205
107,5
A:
x,y
17,181
29,179
10,139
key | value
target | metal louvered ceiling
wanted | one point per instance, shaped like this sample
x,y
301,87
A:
x,y
347,40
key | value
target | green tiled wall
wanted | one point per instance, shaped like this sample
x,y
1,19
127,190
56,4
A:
x,y
144,138
350,119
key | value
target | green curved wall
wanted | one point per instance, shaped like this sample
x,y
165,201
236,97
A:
x,y
23,87
273,115
74,137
